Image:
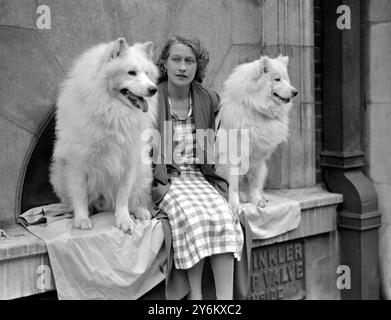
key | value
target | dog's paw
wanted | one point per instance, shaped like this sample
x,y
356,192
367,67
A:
x,y
143,214
82,223
236,208
125,223
262,202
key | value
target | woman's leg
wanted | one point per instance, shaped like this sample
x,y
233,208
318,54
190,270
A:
x,y
223,273
195,280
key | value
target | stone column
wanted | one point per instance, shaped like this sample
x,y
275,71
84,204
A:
x,y
376,26
342,157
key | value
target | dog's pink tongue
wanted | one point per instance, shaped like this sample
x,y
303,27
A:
x,y
144,106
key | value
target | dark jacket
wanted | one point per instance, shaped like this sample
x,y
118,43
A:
x,y
205,103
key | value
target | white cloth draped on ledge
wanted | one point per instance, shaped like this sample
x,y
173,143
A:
x,y
106,263
102,263
280,215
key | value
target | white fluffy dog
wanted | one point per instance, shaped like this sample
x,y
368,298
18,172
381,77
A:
x,y
256,97
104,106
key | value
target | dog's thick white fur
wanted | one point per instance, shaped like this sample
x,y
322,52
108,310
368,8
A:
x,y
104,106
256,97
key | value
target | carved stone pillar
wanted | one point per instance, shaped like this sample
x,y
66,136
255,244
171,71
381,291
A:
x,y
342,157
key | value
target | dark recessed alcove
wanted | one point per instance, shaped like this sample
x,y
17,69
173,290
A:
x,y
37,190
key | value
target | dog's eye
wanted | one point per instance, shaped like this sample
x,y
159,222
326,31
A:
x,y
132,73
277,79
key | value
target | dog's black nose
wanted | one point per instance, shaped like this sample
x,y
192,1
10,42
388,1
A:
x,y
152,91
295,93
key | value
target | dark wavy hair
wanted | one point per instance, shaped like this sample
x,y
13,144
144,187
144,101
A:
x,y
200,52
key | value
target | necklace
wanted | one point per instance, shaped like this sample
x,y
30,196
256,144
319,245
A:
x,y
175,114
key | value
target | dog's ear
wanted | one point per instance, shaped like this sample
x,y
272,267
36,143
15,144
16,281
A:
x,y
118,48
264,64
283,59
147,47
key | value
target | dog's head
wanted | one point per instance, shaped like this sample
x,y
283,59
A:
x,y
276,72
130,73
262,85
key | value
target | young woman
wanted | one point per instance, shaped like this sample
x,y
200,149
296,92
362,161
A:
x,y
187,189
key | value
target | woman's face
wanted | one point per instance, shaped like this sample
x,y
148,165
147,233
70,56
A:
x,y
181,65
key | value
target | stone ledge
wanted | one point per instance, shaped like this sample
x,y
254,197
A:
x,y
310,197
21,243
22,252
21,256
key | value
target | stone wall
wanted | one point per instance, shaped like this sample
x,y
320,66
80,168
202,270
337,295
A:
x,y
377,56
33,62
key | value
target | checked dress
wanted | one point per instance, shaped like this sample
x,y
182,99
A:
x,y
202,222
